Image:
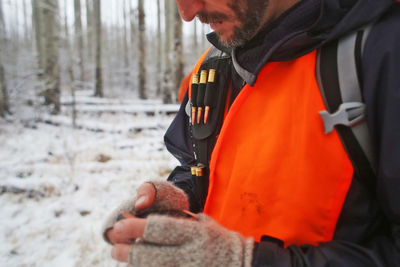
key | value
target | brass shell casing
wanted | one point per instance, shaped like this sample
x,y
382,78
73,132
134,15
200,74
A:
x,y
211,75
195,78
203,76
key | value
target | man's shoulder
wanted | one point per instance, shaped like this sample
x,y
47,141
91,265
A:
x,y
388,25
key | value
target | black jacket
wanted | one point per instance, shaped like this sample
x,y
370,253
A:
x,y
368,230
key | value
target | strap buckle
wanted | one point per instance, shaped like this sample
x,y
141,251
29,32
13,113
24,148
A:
x,y
348,114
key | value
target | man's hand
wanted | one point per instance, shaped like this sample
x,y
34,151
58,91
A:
x,y
123,234
167,241
146,194
126,231
154,197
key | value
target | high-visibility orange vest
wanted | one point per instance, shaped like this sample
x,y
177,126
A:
x,y
273,171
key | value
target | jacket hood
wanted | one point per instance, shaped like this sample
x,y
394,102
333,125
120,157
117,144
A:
x,y
338,17
304,27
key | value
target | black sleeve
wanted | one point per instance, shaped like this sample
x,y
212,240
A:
x,y
179,143
381,80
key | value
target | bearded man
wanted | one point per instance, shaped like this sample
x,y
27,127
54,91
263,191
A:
x,y
268,177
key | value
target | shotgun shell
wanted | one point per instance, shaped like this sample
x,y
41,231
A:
x,y
201,94
193,97
199,111
199,172
211,75
206,111
208,94
195,78
203,76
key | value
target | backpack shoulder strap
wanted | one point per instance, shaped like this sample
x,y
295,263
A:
x,y
339,77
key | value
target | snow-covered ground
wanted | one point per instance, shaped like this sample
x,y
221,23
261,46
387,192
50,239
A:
x,y
57,183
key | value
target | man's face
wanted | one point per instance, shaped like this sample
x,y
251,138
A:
x,y
234,21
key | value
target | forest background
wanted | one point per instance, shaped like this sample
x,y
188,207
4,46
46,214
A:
x,y
87,90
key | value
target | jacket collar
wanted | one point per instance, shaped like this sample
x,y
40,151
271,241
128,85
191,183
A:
x,y
301,29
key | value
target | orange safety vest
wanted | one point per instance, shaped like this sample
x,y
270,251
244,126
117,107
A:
x,y
273,171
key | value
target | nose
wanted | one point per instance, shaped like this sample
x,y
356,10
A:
x,y
189,8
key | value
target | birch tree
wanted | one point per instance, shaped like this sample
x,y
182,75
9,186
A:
x,y
142,51
37,23
26,30
195,37
133,34
69,66
3,86
159,49
99,69
166,94
89,28
51,73
178,49
125,44
79,39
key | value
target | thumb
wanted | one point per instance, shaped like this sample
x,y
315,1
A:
x,y
145,196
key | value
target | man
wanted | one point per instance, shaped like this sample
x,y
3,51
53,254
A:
x,y
281,191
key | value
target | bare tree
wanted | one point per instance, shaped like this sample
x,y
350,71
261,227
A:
x,y
178,49
159,49
168,13
89,28
51,73
203,35
125,43
79,38
133,25
69,66
37,23
195,37
99,68
3,86
142,51
26,30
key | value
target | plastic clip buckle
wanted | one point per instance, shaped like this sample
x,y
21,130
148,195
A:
x,y
348,114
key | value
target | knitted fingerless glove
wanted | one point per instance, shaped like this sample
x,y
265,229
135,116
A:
x,y
169,199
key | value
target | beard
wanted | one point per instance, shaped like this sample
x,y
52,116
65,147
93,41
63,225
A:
x,y
248,13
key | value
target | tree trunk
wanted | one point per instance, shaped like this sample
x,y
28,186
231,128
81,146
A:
x,y
133,42
89,28
26,29
126,51
79,38
142,51
203,36
69,66
66,28
195,37
178,50
37,16
3,86
167,95
99,69
51,42
159,49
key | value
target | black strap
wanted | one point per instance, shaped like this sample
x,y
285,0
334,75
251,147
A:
x,y
327,66
204,135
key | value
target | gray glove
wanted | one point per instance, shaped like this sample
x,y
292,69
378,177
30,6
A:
x,y
169,199
169,241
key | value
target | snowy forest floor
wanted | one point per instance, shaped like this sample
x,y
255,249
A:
x,y
57,184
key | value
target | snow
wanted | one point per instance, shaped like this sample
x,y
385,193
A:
x,y
57,184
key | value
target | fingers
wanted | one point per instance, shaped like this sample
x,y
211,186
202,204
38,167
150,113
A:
x,y
145,196
128,229
120,252
165,230
114,238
